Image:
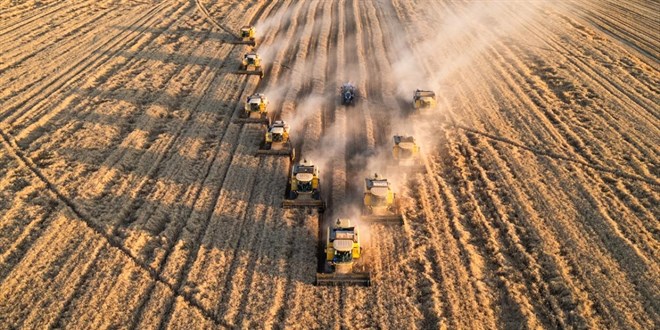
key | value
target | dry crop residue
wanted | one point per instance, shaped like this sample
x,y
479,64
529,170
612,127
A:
x,y
129,197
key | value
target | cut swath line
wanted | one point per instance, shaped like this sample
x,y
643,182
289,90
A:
x,y
616,172
213,21
16,153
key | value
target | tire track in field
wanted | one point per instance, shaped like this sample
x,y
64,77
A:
x,y
250,246
609,83
46,259
268,263
193,258
48,36
556,309
12,25
606,117
615,20
196,192
514,60
11,10
132,203
520,244
182,268
75,71
460,250
213,22
112,241
170,250
148,172
575,138
545,148
584,259
33,121
515,307
550,154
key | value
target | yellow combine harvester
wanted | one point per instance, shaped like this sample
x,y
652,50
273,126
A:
x,y
255,110
304,188
248,33
276,141
406,153
342,252
380,204
424,99
251,64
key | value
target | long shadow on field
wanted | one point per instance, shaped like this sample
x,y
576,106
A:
x,y
229,65
177,32
145,98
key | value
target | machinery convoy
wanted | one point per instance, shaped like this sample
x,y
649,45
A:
x,y
341,259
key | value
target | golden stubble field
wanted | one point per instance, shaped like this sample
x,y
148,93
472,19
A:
x,y
129,198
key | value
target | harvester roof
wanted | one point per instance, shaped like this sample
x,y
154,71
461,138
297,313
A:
x,y
423,93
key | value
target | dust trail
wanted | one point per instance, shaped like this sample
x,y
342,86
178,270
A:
x,y
476,26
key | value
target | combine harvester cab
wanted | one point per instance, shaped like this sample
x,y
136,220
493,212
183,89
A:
x,y
406,154
251,64
424,100
380,204
348,94
255,110
276,141
247,35
342,252
304,187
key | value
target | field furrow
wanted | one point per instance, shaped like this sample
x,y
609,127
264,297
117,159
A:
x,y
132,195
